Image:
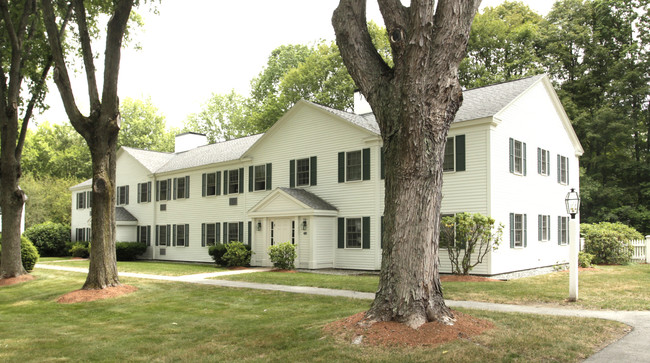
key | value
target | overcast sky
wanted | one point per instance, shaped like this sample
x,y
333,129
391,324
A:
x,y
194,48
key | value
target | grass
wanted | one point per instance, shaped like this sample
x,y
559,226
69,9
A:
x,y
607,287
149,267
166,321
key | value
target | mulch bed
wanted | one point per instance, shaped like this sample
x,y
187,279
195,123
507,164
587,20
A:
x,y
397,334
16,280
98,294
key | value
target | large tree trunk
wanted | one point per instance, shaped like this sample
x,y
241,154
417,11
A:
x,y
414,103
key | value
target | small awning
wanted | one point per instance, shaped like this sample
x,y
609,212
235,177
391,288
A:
x,y
284,202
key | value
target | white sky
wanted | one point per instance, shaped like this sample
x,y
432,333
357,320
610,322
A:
x,y
194,48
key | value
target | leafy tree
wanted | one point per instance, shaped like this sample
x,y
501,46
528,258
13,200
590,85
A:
x,y
100,128
223,117
24,65
414,102
469,237
48,199
502,45
143,126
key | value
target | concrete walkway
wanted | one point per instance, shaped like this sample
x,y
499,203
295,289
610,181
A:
x,y
634,347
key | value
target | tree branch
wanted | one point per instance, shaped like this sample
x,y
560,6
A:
x,y
114,36
367,68
87,53
16,39
61,77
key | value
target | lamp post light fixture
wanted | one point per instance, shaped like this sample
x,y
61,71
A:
x,y
572,202
304,224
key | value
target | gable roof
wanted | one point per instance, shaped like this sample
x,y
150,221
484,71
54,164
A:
x,y
309,199
123,215
151,160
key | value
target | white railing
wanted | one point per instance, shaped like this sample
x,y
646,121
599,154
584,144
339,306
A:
x,y
641,250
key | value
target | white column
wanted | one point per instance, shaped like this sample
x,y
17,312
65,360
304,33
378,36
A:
x,y
573,261
647,249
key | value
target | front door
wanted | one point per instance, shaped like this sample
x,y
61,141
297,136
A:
x,y
282,230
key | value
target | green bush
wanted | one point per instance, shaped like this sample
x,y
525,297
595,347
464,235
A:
x,y
129,251
237,254
217,253
80,249
28,253
584,259
49,238
609,242
283,255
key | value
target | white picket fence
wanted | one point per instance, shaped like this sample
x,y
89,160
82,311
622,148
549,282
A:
x,y
641,250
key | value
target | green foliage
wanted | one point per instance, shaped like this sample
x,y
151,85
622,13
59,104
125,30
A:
x,y
49,238
80,249
584,259
129,251
466,235
143,126
28,253
237,254
283,255
48,199
217,251
223,117
609,242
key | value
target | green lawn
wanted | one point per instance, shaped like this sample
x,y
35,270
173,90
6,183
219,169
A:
x,y
149,267
607,287
166,321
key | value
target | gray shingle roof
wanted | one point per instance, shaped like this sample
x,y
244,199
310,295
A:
x,y
152,160
477,103
85,183
311,200
210,154
123,215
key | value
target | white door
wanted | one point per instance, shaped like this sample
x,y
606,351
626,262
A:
x,y
282,231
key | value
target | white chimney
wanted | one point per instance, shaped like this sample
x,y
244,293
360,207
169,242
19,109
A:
x,y
361,106
188,141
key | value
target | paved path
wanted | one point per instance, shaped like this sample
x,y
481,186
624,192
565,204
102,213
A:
x,y
634,347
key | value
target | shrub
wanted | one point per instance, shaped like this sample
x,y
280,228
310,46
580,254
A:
x,y
49,238
584,259
28,253
237,254
609,242
80,249
283,255
129,251
217,253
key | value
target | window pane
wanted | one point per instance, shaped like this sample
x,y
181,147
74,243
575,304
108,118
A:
x,y
353,232
180,188
448,164
162,235
518,230
210,234
211,184
518,157
180,235
162,192
233,181
353,166
260,177
563,169
302,172
233,232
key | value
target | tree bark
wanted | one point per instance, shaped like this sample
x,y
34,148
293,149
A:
x,y
100,129
414,104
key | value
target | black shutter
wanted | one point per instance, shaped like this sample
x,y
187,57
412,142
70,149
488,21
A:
x,y
341,233
539,225
382,172
313,176
512,230
149,191
341,167
250,178
225,182
217,186
567,171
138,193
89,199
169,189
137,233
512,155
539,161
174,233
460,153
187,235
365,227
169,232
203,184
366,164
250,232
148,235
241,180
241,232
225,232
79,197
187,186
157,231
203,233
157,193
217,233
559,230
268,176
175,185
525,230
292,173
524,151
127,195
558,168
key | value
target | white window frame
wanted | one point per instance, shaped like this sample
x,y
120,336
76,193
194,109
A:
x,y
450,151
349,167
209,185
259,181
162,235
544,162
181,188
518,230
563,231
180,236
210,235
122,197
230,230
518,156
349,232
545,227
303,172
233,187
81,200
143,193
162,191
564,170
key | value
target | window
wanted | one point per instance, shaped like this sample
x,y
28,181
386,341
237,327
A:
x,y
144,235
353,165
302,172
562,169
233,232
182,187
144,192
162,234
210,234
562,230
259,177
81,200
122,195
353,233
518,236
543,162
543,228
517,157
447,233
82,234
448,163
164,189
181,235
233,181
